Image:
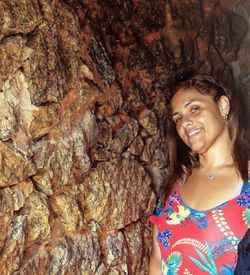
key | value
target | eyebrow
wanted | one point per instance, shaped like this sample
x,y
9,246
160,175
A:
x,y
186,105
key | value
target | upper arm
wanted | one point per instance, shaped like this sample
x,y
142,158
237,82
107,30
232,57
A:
x,y
155,258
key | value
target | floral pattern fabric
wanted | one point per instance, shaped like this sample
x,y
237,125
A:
x,y
201,242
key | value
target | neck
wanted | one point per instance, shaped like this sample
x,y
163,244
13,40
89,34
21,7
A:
x,y
220,162
218,156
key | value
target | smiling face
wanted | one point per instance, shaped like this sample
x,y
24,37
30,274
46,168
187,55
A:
x,y
199,120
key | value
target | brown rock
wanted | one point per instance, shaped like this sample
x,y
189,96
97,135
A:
x,y
115,252
101,60
67,32
77,254
136,146
56,159
19,193
43,120
37,212
100,154
124,135
148,121
65,207
138,239
153,152
43,182
14,47
43,68
6,214
14,168
7,119
16,97
85,256
19,17
109,102
110,194
90,128
13,249
104,134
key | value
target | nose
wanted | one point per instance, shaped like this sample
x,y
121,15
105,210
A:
x,y
186,122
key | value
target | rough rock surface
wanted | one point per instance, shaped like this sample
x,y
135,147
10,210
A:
x,y
83,87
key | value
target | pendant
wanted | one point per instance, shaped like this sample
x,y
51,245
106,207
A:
x,y
210,176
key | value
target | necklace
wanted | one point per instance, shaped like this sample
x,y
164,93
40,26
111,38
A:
x,y
210,176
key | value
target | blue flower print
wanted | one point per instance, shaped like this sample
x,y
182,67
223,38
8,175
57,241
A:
x,y
171,203
246,189
241,201
165,243
247,193
166,234
163,237
199,218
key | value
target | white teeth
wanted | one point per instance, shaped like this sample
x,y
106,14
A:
x,y
193,133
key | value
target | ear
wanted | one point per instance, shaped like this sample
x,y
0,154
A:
x,y
224,105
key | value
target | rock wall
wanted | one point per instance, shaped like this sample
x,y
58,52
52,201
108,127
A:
x,y
82,114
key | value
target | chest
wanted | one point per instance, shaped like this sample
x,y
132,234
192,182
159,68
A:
x,y
202,193
196,240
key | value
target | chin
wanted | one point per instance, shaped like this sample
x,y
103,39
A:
x,y
198,149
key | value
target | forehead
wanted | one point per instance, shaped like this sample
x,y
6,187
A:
x,y
183,96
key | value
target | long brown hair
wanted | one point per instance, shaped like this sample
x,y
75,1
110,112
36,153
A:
x,y
181,157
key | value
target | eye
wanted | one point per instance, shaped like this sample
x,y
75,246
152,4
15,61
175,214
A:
x,y
194,109
178,119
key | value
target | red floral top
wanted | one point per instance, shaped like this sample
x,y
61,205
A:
x,y
201,242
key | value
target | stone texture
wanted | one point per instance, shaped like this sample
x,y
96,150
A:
x,y
7,212
19,17
138,237
14,168
19,52
109,195
115,251
83,91
37,211
65,207
14,247
43,120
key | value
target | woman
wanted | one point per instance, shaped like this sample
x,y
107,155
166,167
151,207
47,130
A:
x,y
205,203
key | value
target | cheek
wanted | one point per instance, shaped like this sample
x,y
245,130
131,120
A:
x,y
181,133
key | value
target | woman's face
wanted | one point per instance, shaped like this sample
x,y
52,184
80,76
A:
x,y
198,119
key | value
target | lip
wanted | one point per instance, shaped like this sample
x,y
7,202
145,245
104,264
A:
x,y
191,133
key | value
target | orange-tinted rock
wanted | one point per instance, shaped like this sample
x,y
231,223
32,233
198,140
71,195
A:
x,y
138,236
109,102
65,207
43,120
14,247
153,152
7,119
115,252
6,214
36,210
14,47
19,17
109,195
148,121
124,135
14,168
17,97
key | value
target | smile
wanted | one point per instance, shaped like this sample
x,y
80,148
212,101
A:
x,y
193,133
